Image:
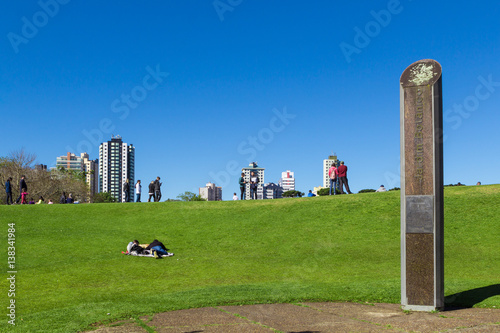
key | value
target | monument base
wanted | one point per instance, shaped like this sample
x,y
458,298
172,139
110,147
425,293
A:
x,y
423,308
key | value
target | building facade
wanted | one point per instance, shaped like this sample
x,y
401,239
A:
x,y
81,163
116,165
70,162
271,191
253,167
91,168
327,164
211,192
287,181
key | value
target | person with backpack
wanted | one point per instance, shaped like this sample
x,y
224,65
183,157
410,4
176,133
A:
x,y
332,173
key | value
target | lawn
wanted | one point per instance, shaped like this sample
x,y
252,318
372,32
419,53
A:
x,y
71,273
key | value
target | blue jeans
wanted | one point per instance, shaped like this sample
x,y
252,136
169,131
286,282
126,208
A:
x,y
253,193
138,197
159,249
333,182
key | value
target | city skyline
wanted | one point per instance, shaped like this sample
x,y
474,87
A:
x,y
202,92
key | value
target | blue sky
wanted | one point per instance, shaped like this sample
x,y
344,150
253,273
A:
x,y
214,85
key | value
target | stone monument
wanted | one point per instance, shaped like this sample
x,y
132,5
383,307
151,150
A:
x,y
422,252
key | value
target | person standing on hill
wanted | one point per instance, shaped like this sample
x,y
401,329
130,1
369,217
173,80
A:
x,y
332,173
126,189
8,191
254,182
151,189
342,174
242,183
22,188
157,189
138,189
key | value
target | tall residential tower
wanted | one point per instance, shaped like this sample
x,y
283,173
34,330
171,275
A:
x,y
116,165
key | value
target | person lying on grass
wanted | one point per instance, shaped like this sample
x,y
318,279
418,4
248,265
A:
x,y
157,248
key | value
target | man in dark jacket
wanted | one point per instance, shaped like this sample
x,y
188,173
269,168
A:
x,y
157,189
126,190
342,174
151,189
8,191
157,248
22,188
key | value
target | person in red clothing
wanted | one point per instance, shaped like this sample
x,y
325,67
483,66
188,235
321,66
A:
x,y
342,176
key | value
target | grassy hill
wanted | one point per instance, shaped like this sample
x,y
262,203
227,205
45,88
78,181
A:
x,y
71,272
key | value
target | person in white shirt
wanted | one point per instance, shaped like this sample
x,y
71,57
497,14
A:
x,y
235,197
138,189
381,189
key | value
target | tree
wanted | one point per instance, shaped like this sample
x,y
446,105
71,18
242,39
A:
x,y
49,184
103,197
292,194
190,196
367,190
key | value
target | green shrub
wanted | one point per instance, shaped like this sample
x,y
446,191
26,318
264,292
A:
x,y
367,190
103,197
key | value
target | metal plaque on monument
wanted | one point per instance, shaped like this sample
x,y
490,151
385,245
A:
x,y
422,252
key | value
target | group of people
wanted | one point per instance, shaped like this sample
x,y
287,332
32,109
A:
x,y
23,195
155,248
254,182
338,174
154,189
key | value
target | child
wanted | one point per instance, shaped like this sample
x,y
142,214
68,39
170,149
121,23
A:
x,y
24,195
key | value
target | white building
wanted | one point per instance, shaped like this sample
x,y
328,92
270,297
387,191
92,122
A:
x,y
287,181
253,167
116,165
211,192
327,164
271,191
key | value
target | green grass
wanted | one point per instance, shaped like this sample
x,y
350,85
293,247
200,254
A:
x,y
71,272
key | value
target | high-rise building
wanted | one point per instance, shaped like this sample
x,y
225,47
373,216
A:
x,y
116,165
287,181
271,191
81,163
327,164
211,192
259,172
91,169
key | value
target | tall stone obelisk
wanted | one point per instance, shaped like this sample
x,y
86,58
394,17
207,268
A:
x,y
422,252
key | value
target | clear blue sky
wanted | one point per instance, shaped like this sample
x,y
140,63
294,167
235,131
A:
x,y
67,70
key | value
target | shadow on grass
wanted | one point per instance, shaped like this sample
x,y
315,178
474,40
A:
x,y
468,298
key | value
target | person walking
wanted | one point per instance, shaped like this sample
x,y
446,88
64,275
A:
x,y
157,189
242,183
342,175
8,191
254,181
138,189
22,188
126,190
151,189
332,173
